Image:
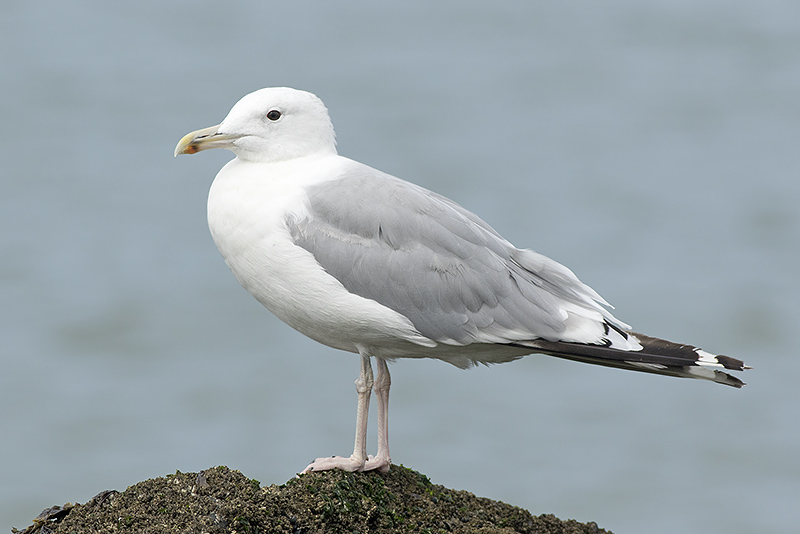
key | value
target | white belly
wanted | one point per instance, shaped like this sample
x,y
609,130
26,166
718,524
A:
x,y
247,208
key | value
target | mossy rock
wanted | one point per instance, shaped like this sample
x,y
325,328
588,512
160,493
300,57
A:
x,y
222,500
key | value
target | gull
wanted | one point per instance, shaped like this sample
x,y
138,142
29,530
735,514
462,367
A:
x,y
365,262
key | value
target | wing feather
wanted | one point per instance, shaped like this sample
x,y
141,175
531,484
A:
x,y
424,256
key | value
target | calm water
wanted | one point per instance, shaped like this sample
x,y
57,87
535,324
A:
x,y
652,147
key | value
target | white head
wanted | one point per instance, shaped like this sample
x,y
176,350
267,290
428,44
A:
x,y
273,124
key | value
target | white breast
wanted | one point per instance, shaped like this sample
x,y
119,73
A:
x,y
248,206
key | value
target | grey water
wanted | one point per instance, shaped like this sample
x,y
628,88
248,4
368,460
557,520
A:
x,y
650,146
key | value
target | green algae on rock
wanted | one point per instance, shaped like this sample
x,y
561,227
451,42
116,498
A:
x,y
222,500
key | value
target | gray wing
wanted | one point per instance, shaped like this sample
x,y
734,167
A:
x,y
424,256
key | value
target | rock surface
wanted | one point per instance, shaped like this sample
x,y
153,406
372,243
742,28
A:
x,y
221,500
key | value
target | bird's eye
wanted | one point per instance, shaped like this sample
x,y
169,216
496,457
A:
x,y
273,114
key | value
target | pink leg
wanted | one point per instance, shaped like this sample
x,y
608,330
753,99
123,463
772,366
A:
x,y
357,461
383,381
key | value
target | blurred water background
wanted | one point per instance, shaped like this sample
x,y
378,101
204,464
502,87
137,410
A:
x,y
650,146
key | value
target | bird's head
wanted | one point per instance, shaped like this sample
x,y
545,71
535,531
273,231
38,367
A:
x,y
268,125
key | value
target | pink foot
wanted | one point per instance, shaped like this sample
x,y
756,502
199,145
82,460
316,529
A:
x,y
348,464
379,464
334,462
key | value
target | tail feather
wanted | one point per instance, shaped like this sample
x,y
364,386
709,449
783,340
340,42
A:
x,y
655,356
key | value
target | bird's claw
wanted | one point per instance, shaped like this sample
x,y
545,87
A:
x,y
350,464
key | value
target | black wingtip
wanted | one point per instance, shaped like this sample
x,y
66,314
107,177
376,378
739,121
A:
x,y
656,356
728,380
731,363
